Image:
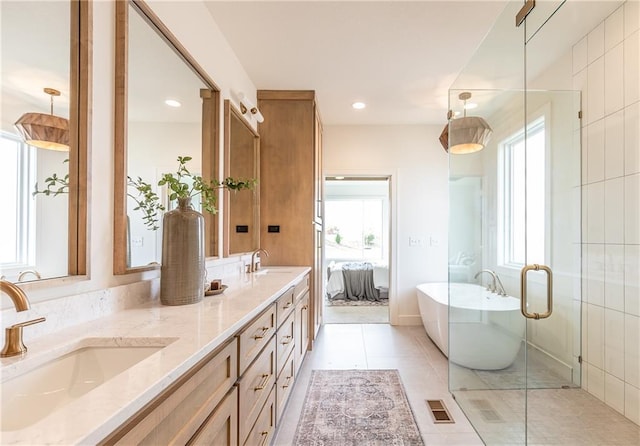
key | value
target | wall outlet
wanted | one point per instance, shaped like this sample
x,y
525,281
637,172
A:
x,y
137,242
416,241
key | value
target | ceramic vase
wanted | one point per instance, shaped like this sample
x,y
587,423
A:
x,y
183,262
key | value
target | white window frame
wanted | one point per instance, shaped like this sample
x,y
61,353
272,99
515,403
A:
x,y
25,249
505,260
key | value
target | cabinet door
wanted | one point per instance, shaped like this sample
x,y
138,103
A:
x,y
284,384
254,387
284,306
175,416
317,281
262,432
302,330
255,336
285,340
221,428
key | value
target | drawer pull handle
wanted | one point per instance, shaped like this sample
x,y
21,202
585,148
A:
x,y
286,340
263,384
261,335
287,306
286,384
305,307
265,436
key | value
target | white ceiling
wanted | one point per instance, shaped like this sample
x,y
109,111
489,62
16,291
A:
x,y
398,57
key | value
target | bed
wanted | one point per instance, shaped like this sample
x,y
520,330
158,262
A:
x,y
355,281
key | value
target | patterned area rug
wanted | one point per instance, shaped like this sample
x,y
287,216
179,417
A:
x,y
356,408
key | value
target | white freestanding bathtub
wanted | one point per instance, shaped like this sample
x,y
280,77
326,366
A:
x,y
486,330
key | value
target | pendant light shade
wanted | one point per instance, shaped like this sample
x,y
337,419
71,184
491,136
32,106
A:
x,y
45,131
468,134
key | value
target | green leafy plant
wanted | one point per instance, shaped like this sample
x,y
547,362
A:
x,y
181,184
184,184
368,239
54,185
338,238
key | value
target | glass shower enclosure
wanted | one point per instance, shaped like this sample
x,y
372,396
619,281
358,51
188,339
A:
x,y
514,236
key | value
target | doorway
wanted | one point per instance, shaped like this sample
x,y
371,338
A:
x,y
356,249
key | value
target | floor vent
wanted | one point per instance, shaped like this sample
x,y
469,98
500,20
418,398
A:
x,y
439,412
486,411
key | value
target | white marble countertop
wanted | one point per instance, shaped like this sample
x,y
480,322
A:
x,y
195,330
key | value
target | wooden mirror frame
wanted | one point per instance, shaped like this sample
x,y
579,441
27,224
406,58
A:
x,y
79,140
231,112
210,124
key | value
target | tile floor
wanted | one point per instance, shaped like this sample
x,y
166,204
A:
x,y
556,417
373,314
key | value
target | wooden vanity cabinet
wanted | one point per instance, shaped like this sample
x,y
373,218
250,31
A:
x,y
291,186
179,413
235,395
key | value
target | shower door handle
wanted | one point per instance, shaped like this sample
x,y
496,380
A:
x,y
523,291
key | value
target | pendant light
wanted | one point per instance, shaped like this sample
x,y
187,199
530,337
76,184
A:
x,y
468,134
45,131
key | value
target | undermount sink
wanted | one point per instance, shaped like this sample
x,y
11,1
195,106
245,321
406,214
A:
x,y
41,390
263,271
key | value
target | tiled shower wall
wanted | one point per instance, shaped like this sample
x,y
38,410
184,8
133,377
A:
x,y
605,69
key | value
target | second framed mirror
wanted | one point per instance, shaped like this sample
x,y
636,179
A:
x,y
242,161
166,107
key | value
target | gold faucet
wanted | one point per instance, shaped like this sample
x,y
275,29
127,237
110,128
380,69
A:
x,y
255,266
25,273
13,345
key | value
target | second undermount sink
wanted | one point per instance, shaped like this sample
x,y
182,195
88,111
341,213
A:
x,y
264,271
36,393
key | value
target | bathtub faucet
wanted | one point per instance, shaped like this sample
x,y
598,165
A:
x,y
495,280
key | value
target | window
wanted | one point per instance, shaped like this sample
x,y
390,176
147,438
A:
x,y
523,197
17,174
355,229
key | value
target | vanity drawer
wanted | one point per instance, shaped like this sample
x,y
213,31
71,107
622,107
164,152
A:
x,y
285,340
176,415
300,288
284,384
262,432
255,336
221,428
254,387
285,306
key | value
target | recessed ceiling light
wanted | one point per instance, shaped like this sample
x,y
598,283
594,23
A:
x,y
470,105
173,103
358,105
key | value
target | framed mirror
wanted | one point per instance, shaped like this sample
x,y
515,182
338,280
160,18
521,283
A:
x,y
166,107
44,138
241,160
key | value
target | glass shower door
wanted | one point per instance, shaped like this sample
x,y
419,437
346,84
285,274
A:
x,y
514,245
551,279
